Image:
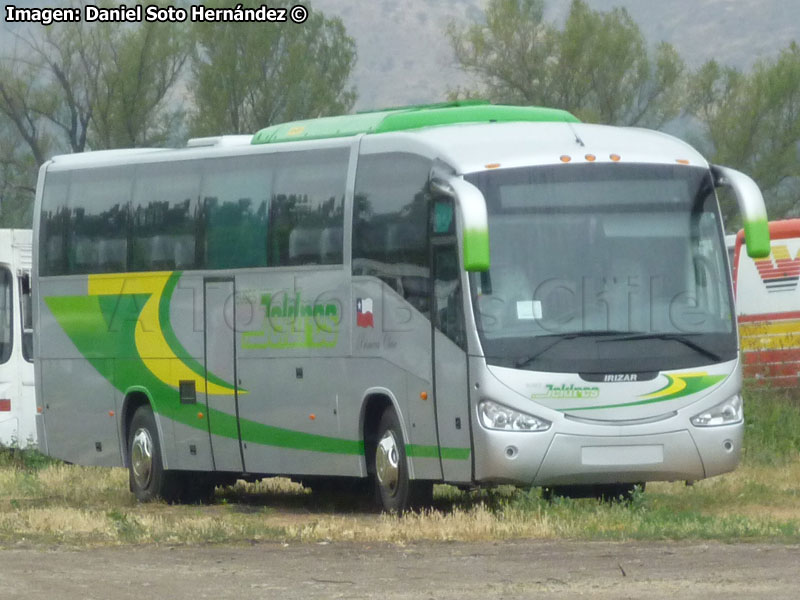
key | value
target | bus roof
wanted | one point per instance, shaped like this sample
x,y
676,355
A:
x,y
476,147
467,137
407,118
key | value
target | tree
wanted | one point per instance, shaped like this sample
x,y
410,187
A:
x,y
94,85
84,86
752,123
137,74
597,66
246,76
17,180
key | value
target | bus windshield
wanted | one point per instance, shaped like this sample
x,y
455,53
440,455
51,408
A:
x,y
603,269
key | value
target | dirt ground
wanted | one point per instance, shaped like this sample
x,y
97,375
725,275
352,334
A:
x,y
464,571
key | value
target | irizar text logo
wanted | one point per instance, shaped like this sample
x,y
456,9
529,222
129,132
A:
x,y
568,391
618,377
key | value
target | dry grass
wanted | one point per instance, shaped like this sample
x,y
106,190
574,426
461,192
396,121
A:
x,y
43,502
83,506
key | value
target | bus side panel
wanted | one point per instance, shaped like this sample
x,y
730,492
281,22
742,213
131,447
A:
x,y
290,422
186,436
79,412
79,401
423,453
292,343
392,346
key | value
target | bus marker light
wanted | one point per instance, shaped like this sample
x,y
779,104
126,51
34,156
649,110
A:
x,y
565,158
200,415
423,395
111,413
312,416
39,409
615,157
5,405
492,166
590,157
681,161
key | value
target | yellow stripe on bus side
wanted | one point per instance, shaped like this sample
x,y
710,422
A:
x,y
150,342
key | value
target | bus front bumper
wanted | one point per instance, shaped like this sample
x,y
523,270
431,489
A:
x,y
560,458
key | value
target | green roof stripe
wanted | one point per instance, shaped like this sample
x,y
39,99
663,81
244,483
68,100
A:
x,y
404,119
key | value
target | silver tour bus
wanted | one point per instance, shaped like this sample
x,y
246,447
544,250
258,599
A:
x,y
465,293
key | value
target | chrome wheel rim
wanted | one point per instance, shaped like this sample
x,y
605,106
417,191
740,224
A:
x,y
142,458
387,463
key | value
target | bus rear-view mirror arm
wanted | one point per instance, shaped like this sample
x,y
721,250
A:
x,y
752,207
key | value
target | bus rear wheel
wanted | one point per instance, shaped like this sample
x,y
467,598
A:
x,y
148,478
395,492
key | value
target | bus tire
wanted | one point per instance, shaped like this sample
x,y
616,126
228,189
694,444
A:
x,y
148,479
395,492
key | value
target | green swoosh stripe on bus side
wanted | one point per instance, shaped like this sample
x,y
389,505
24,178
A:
x,y
104,326
418,451
174,343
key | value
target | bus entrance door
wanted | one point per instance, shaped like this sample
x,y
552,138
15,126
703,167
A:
x,y
450,365
220,366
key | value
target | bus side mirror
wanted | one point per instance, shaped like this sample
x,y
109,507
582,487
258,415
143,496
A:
x,y
751,205
475,222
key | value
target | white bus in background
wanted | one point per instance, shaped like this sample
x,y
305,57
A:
x,y
17,400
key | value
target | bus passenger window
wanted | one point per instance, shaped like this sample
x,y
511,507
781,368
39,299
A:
x,y
6,315
390,224
165,215
97,232
306,212
54,225
235,203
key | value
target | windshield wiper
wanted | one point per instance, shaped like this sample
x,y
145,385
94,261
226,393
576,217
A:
x,y
526,360
676,337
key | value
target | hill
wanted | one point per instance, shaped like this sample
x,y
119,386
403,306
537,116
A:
x,y
404,56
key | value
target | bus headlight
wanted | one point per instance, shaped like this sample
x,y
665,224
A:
x,y
497,416
725,413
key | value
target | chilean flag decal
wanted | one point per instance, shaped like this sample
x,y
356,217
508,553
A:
x,y
364,313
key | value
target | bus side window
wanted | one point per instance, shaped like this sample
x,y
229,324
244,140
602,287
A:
x,y
449,318
54,225
26,315
98,229
306,212
6,314
235,196
166,217
390,224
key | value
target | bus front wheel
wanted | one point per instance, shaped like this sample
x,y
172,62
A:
x,y
395,492
148,479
